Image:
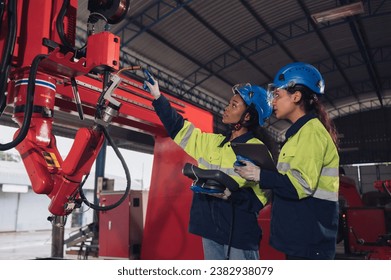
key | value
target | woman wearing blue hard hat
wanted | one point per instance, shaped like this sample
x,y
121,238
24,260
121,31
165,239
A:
x,y
304,220
227,224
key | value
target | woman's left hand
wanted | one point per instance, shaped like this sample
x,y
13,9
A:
x,y
249,171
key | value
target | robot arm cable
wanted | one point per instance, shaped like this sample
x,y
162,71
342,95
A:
x,y
29,108
128,179
7,52
60,25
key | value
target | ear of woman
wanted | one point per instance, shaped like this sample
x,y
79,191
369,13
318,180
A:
x,y
297,96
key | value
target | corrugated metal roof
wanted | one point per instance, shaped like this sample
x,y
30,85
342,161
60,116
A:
x,y
212,45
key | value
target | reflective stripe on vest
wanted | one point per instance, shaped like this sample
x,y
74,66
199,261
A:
x,y
207,165
317,193
186,138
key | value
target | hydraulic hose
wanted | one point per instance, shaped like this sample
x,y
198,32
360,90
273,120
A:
x,y
29,106
2,8
128,180
60,24
7,53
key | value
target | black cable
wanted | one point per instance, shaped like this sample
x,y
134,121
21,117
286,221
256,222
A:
x,y
7,53
29,106
2,8
231,230
119,155
11,38
60,24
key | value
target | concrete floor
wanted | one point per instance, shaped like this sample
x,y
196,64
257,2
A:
x,y
25,245
38,245
29,245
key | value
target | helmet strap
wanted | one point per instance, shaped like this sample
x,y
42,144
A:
x,y
241,123
236,126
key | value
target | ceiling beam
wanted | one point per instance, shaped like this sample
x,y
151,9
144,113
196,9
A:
x,y
268,30
181,88
351,60
227,42
136,25
170,83
152,15
363,45
353,108
291,30
327,47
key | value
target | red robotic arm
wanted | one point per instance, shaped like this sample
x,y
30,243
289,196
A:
x,y
41,79
48,172
33,85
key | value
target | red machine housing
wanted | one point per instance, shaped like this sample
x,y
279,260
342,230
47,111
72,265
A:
x,y
121,229
365,229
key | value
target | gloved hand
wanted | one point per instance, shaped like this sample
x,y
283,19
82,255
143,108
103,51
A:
x,y
154,89
249,171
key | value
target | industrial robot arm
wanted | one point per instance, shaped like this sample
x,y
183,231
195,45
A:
x,y
49,173
45,72
30,82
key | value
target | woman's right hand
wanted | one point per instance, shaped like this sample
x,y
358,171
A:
x,y
248,171
153,88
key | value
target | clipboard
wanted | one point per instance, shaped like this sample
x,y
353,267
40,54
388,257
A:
x,y
258,153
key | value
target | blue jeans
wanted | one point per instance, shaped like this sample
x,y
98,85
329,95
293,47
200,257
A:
x,y
216,251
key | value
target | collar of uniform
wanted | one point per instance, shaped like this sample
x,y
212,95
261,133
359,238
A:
x,y
241,139
298,124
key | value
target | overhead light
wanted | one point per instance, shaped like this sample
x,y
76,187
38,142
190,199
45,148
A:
x,y
338,13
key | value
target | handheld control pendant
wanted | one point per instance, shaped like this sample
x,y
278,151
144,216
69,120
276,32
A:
x,y
148,77
239,159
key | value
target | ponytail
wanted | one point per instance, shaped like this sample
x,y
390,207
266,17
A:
x,y
311,103
325,120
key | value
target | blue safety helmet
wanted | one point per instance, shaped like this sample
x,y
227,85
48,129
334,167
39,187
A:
x,y
299,73
258,96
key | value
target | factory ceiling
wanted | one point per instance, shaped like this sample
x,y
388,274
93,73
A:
x,y
199,49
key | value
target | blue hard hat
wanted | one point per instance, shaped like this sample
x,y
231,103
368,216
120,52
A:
x,y
299,73
258,96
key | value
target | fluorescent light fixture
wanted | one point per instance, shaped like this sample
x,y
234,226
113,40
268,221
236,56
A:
x,y
338,13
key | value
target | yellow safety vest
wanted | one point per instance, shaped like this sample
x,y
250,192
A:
x,y
204,147
311,161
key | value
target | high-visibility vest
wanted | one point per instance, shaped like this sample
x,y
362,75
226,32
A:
x,y
311,161
203,148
